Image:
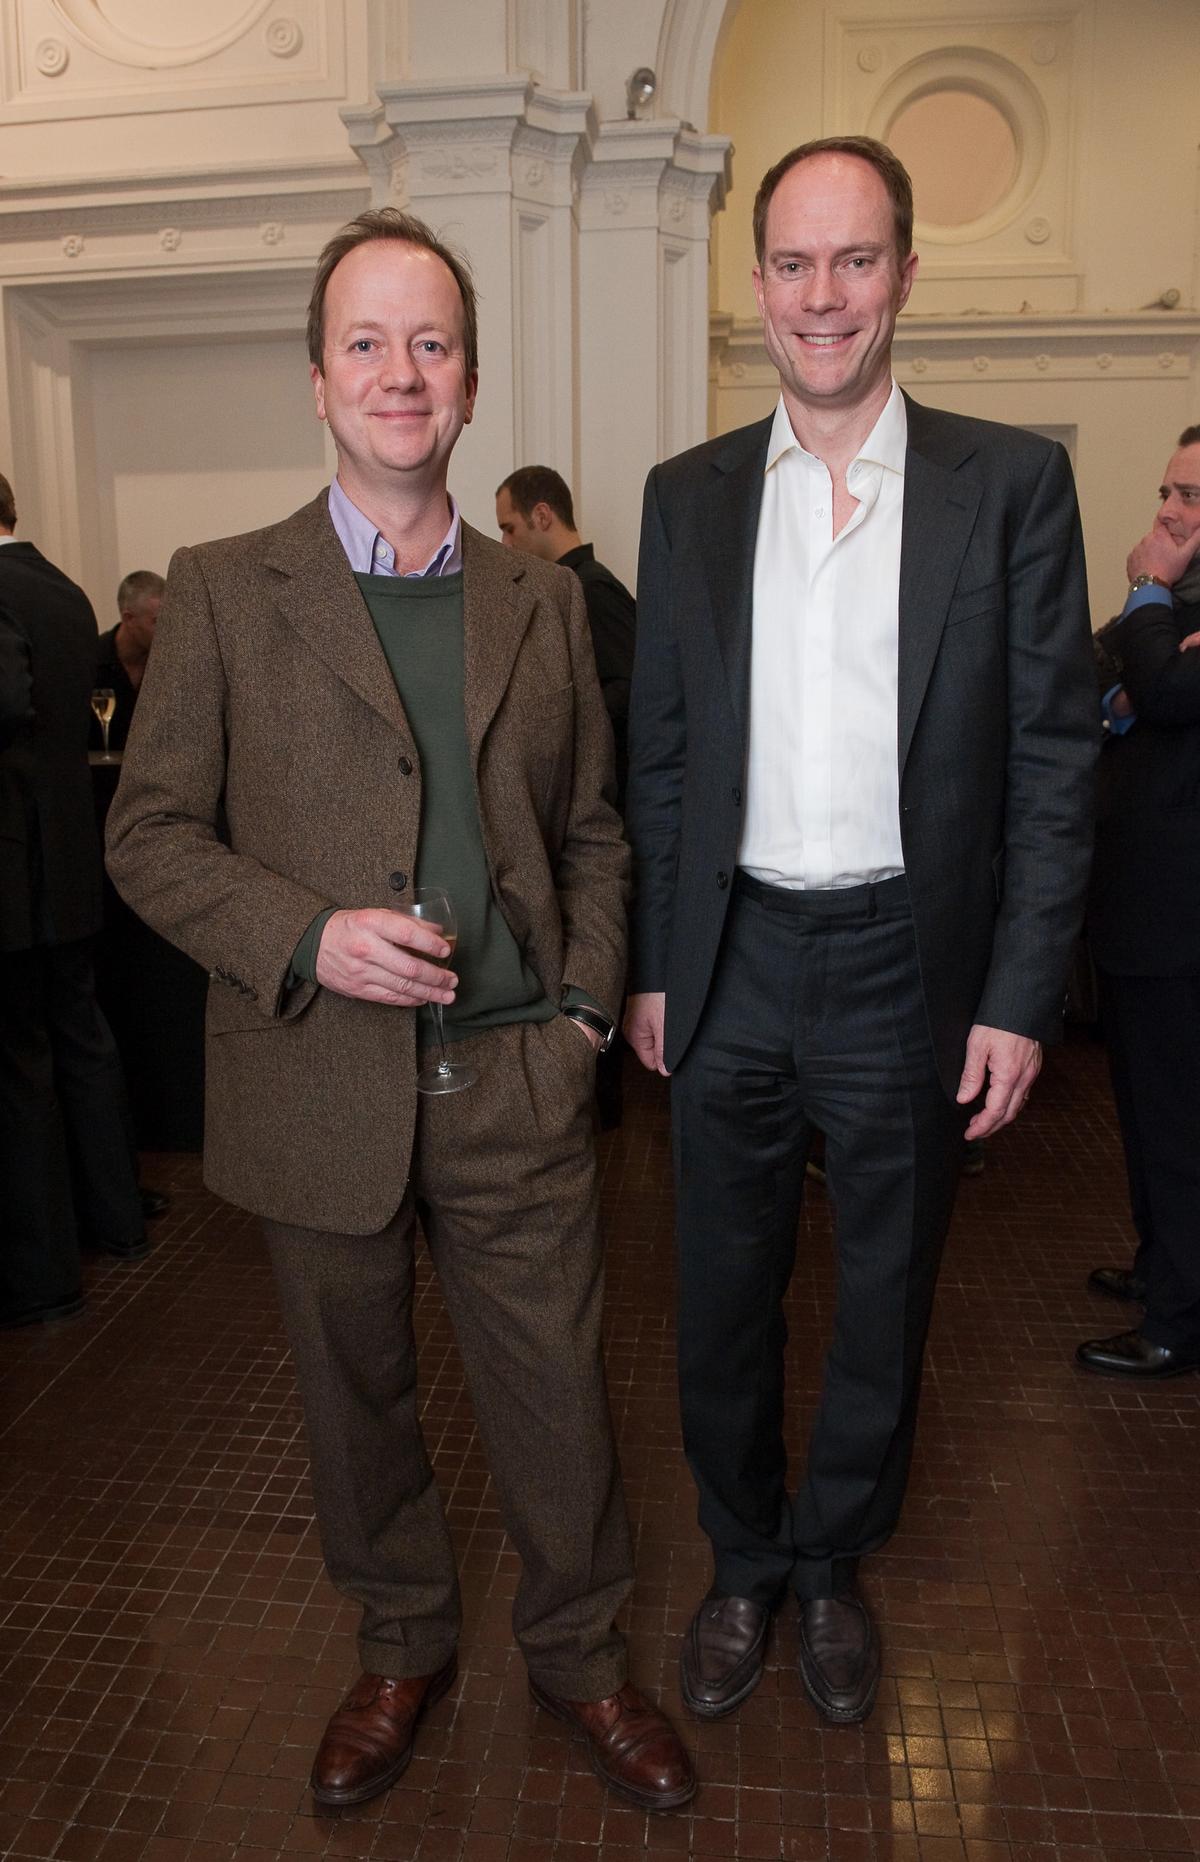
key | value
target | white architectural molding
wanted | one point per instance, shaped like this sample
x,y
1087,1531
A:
x,y
271,52
687,48
546,39
1147,345
116,223
548,156
692,190
51,330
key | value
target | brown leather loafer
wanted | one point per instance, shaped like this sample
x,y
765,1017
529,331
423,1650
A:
x,y
721,1661
839,1656
1129,1354
633,1747
369,1740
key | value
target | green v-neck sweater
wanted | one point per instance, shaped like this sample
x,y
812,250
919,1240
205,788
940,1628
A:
x,y
419,622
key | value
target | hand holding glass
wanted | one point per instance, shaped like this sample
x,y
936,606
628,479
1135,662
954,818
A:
x,y
431,906
104,703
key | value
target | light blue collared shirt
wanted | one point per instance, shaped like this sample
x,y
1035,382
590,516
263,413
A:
x,y
1137,598
369,551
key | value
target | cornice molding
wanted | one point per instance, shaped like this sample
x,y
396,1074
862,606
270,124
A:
x,y
1074,345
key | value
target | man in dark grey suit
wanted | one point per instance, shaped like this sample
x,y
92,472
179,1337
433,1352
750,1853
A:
x,y
862,734
1144,930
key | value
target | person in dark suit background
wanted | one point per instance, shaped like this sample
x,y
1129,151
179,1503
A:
x,y
152,995
535,513
66,1166
861,743
16,684
1144,930
123,653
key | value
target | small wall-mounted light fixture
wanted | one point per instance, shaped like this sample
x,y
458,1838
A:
x,y
639,90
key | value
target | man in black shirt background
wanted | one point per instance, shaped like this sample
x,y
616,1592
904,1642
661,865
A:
x,y
535,513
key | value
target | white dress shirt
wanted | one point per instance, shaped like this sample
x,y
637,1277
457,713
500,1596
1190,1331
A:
x,y
822,783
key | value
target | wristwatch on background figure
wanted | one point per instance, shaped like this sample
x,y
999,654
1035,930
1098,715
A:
x,y
1147,581
595,1021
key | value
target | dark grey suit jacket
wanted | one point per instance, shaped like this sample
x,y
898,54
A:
x,y
1144,909
997,730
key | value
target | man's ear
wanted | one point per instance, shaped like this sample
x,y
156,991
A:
x,y
542,516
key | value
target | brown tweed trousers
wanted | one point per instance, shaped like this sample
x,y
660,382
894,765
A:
x,y
271,772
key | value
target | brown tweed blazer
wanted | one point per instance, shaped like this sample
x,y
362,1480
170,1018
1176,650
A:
x,y
265,779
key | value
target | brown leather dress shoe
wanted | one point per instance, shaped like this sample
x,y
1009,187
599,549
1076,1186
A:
x,y
633,1747
721,1661
839,1656
369,1740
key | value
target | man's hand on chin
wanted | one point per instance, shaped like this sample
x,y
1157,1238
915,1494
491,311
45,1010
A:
x,y
1009,1064
644,1017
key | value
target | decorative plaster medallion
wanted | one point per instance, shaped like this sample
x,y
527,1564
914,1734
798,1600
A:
x,y
535,174
870,58
1044,49
284,37
616,202
677,209
272,233
51,57
1166,359
739,371
149,43
72,245
1041,362
919,365
169,239
981,365
1104,361
1038,231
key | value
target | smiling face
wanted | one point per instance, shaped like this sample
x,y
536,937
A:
x,y
1179,509
832,284
394,387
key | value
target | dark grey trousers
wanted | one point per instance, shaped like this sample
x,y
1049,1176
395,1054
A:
x,y
815,1019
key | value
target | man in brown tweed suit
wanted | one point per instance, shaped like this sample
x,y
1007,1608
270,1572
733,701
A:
x,y
365,698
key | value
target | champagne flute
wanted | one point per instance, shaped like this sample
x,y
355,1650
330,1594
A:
x,y
431,906
104,703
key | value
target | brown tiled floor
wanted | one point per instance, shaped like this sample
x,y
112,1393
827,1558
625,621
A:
x,y
170,1647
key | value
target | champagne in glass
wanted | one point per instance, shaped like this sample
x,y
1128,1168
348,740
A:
x,y
104,703
432,906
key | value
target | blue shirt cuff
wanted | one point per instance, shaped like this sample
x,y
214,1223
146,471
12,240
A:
x,y
1118,726
1150,591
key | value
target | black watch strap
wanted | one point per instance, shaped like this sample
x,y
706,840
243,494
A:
x,y
593,1019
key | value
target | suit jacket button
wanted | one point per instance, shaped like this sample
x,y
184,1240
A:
x,y
737,796
406,768
397,881
722,881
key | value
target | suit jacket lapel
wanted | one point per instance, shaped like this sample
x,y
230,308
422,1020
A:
x,y
496,610
728,530
940,503
318,595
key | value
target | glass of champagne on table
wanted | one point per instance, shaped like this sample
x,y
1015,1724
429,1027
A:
x,y
431,906
104,703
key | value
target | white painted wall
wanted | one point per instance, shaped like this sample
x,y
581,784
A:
x,y
189,441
